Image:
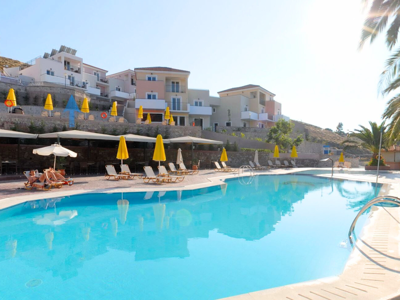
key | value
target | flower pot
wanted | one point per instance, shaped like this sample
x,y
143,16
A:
x,y
194,167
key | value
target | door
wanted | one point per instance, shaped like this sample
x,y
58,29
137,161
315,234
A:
x,y
176,103
215,127
198,122
175,86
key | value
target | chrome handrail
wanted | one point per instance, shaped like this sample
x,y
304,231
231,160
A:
x,y
387,199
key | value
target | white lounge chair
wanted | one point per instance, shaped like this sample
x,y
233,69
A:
x,y
163,172
227,167
185,171
293,162
219,169
287,165
111,173
173,170
37,185
260,167
150,177
126,171
278,164
271,164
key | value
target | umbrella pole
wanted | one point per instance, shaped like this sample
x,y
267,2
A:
x,y
192,155
55,157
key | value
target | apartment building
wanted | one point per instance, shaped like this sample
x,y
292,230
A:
x,y
159,87
122,86
247,106
201,107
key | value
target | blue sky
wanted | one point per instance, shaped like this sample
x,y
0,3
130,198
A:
x,y
303,51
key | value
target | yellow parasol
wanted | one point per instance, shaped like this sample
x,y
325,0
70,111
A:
x,y
141,222
167,114
85,106
140,113
49,104
224,156
341,158
294,152
276,151
122,149
159,213
276,183
123,207
114,225
171,120
114,109
148,118
11,97
159,152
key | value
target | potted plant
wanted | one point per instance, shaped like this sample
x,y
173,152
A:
x,y
195,164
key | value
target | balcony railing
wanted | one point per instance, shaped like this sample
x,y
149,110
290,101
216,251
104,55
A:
x,y
264,117
173,88
72,68
119,94
249,115
151,104
103,80
178,106
200,110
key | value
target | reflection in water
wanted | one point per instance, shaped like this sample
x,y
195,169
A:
x,y
158,227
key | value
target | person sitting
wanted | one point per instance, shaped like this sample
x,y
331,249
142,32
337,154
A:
x,y
33,178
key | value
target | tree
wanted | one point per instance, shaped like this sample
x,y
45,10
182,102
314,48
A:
x,y
339,129
280,135
370,138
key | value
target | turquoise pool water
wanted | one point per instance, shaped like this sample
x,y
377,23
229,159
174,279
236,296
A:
x,y
202,244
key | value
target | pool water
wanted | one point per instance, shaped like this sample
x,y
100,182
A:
x,y
253,233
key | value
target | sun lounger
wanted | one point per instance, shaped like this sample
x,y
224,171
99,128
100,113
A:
x,y
150,177
219,169
37,185
53,182
271,164
173,170
287,165
111,173
224,166
126,171
257,166
294,164
185,171
164,173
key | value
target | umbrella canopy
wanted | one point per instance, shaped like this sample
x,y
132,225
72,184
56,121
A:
x,y
140,138
148,118
224,156
167,114
140,113
276,151
171,119
16,134
256,157
341,158
122,150
56,150
79,134
159,214
114,109
159,153
179,158
49,103
294,152
194,140
11,97
85,106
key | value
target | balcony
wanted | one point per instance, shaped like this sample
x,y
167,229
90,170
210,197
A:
x,y
121,95
172,88
249,115
264,117
178,106
200,110
103,81
151,104
93,91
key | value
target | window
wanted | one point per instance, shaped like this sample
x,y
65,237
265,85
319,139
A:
x,y
198,102
244,124
176,103
132,81
198,122
97,74
156,117
151,95
49,72
180,121
118,89
228,124
151,78
214,110
279,111
260,125
71,79
175,86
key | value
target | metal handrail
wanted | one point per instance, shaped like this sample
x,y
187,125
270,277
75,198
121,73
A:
x,y
246,167
388,199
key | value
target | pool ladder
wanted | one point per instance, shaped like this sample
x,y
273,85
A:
x,y
380,199
245,168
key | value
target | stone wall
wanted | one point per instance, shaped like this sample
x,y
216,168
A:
x,y
249,132
51,124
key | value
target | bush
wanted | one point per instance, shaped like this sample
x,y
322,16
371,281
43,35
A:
x,y
228,146
259,150
374,162
233,134
242,135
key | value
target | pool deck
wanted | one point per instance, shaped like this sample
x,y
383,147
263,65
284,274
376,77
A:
x,y
372,271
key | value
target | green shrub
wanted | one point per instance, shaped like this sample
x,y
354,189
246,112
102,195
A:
x,y
233,134
228,146
235,147
259,150
242,135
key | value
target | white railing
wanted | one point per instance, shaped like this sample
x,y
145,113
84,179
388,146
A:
x,y
264,117
249,115
200,110
278,117
151,104
120,94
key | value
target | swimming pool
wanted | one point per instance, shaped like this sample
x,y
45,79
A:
x,y
253,233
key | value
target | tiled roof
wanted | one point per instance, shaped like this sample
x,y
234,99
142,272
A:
x,y
244,87
161,69
94,67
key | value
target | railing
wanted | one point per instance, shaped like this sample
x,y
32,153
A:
x,y
200,110
173,88
387,199
103,80
72,68
249,115
11,80
177,106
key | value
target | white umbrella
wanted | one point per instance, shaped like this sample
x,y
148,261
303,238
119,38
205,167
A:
x,y
256,157
56,150
179,158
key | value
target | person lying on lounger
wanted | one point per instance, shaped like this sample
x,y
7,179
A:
x,y
33,178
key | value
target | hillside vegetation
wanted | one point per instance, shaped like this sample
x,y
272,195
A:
x,y
10,63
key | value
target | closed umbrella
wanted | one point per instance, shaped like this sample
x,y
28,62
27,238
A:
x,y
123,207
149,118
167,114
159,152
256,157
56,150
122,149
276,151
114,109
140,113
159,214
11,100
171,120
294,152
85,106
49,104
224,156
341,158
179,158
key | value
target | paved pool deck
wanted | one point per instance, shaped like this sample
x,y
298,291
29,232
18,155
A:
x,y
372,271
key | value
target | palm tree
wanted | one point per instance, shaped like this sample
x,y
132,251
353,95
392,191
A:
x,y
370,138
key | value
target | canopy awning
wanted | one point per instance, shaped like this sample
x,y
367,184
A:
x,y
193,140
80,135
16,134
139,138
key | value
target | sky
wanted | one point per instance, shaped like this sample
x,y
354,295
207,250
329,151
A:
x,y
305,52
